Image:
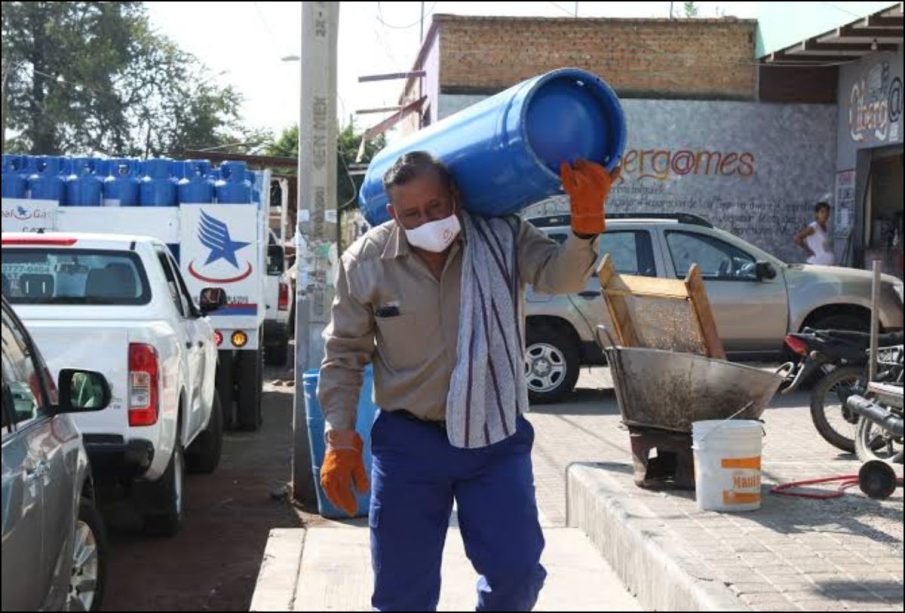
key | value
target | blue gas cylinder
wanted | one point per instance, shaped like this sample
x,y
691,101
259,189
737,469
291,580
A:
x,y
196,186
255,187
504,152
366,414
12,183
158,187
83,186
121,187
46,182
233,187
102,168
178,169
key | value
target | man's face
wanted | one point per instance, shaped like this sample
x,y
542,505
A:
x,y
823,215
420,200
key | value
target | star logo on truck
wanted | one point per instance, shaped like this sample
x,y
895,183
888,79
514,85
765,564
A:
x,y
214,234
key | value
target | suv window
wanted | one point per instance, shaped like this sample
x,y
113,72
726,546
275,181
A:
x,y
715,258
74,276
631,251
22,388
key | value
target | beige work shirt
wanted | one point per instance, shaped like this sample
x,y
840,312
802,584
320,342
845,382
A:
x,y
414,352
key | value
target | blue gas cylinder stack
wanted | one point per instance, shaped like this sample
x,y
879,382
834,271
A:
x,y
127,182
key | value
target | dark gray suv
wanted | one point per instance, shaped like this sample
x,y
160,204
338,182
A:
x,y
54,547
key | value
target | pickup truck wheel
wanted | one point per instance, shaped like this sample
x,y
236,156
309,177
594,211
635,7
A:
x,y
161,502
248,414
551,364
88,576
203,455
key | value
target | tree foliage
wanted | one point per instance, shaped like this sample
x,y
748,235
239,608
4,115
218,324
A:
x,y
348,141
93,77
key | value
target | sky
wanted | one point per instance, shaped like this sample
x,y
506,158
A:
x,y
242,44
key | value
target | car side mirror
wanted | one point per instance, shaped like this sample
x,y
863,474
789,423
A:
x,y
765,270
212,298
82,390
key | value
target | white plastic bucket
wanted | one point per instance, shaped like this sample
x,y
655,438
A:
x,y
727,464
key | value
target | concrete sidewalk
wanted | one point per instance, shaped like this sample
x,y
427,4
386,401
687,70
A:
x,y
327,568
792,554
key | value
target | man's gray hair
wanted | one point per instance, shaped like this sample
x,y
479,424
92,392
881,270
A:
x,y
415,164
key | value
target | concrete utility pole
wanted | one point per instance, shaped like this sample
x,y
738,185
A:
x,y
317,217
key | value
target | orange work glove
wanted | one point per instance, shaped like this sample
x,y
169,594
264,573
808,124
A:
x,y
587,185
343,463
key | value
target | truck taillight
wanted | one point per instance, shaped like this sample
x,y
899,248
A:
x,y
283,302
144,390
218,337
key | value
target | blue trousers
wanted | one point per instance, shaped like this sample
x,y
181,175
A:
x,y
416,475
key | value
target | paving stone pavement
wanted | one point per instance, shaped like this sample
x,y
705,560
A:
x,y
791,554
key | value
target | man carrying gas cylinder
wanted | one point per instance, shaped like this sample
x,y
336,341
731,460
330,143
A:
x,y
434,298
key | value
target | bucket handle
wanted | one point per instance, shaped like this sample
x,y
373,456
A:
x,y
703,438
785,369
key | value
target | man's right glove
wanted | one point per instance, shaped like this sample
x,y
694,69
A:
x,y
342,463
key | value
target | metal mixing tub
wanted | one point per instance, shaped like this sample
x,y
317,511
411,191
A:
x,y
670,390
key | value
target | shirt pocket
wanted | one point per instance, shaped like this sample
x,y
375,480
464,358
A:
x,y
398,344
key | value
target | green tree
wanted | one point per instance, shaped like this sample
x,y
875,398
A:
x,y
348,142
92,77
690,9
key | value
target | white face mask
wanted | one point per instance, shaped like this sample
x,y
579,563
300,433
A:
x,y
435,236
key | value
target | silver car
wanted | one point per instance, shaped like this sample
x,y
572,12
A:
x,y
756,298
54,548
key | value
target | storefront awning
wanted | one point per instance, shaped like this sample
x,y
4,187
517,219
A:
x,y
881,31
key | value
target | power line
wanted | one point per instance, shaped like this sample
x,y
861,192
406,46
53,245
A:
x,y
566,11
839,8
411,25
272,37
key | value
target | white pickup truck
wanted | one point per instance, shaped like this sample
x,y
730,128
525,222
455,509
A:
x,y
118,305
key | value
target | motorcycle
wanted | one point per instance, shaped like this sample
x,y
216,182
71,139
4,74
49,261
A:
x,y
839,358
879,408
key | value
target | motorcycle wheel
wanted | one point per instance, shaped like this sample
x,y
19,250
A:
x,y
835,422
874,443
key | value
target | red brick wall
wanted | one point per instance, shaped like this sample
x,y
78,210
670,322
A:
x,y
695,58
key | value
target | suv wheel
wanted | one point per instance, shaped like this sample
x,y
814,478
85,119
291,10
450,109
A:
x,y
551,364
89,560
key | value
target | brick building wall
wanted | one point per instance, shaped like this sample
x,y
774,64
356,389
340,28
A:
x,y
652,58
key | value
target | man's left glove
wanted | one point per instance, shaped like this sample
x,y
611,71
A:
x,y
588,185
342,464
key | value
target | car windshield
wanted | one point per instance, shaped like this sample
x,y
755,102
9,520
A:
x,y
46,276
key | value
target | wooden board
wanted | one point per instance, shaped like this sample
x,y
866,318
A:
x,y
621,292
703,314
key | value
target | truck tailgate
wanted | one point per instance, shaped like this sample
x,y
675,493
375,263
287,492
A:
x,y
100,348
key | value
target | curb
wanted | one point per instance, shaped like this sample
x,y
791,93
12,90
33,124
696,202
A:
x,y
634,542
280,567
